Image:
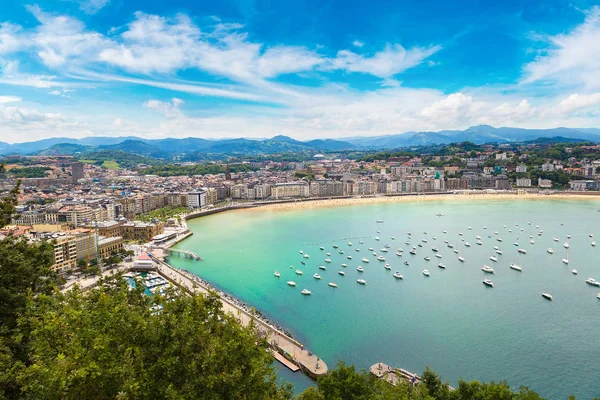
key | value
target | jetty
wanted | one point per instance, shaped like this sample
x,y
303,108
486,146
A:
x,y
393,375
296,356
183,253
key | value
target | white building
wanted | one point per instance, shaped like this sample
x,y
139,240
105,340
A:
x,y
196,199
521,169
545,183
523,182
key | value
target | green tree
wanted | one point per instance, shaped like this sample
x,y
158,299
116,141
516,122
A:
x,y
109,343
345,383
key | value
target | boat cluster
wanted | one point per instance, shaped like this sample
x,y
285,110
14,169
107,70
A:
x,y
437,254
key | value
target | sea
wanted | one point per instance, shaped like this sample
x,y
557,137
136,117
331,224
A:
x,y
449,321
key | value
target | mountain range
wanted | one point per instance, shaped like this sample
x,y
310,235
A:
x,y
167,148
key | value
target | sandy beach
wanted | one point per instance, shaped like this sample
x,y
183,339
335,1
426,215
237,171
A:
x,y
465,196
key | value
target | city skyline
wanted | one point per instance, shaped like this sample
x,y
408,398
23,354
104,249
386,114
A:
x,y
252,69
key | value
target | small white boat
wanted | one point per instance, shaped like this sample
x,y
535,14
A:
x,y
522,251
335,246
277,274
574,271
349,243
361,281
488,282
479,242
387,266
301,251
478,237
317,276
349,257
568,236
412,251
387,246
357,249
298,272
532,241
327,260
547,296
425,272
469,228
322,267
488,269
494,259
450,245
365,260
499,239
442,266
496,247
376,238
499,251
434,249
424,240
360,269
321,248
444,232
341,273
361,242
393,238
565,260
550,250
399,254
484,227
333,285
555,239
384,250
426,258
566,245
438,255
291,283
592,281
591,235
398,275
593,244
344,265
405,262
467,244
456,251
371,249
598,297
381,258
305,256
460,233
306,292
461,259
328,254
516,267
445,241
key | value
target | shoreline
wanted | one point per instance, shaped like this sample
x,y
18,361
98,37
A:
x,y
431,197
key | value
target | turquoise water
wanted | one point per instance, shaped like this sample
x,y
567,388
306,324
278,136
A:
x,y
449,321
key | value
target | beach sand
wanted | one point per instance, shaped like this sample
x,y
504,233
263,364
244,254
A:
x,y
419,198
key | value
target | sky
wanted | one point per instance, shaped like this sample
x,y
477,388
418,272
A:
x,y
303,68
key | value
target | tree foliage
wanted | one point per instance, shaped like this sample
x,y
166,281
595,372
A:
x,y
190,170
109,343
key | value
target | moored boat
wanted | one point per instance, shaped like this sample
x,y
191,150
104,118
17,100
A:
x,y
291,283
398,275
547,296
317,276
516,267
277,274
488,269
361,281
333,285
341,273
306,292
425,272
488,282
298,272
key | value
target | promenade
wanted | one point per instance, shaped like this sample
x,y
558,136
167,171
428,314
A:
x,y
282,343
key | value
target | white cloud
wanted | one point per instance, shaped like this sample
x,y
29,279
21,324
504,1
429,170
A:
x,y
9,99
573,58
169,109
92,6
358,43
391,61
576,102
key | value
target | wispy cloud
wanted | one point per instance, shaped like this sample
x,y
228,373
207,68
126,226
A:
x,y
571,59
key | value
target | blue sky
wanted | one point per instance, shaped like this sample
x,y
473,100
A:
x,y
307,69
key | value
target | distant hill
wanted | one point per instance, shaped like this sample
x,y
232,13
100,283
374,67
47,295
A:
x,y
475,134
172,148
